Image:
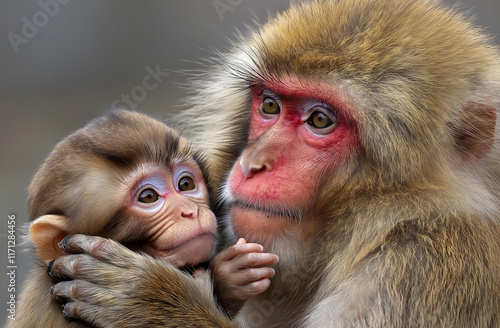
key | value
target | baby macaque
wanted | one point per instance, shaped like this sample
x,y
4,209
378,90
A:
x,y
132,179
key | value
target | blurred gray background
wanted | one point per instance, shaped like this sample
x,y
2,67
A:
x,y
63,65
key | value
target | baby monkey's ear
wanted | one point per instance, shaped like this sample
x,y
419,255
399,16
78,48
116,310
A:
x,y
47,231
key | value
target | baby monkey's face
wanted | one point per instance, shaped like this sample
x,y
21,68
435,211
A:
x,y
173,216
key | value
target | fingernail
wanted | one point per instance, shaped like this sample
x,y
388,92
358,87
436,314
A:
x,y
66,310
49,268
53,278
52,290
64,242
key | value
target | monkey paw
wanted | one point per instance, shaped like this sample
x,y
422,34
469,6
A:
x,y
154,293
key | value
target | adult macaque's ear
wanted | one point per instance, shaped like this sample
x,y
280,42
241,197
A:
x,y
47,231
475,134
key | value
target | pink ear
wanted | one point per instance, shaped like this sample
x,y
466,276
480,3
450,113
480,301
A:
x,y
476,134
47,231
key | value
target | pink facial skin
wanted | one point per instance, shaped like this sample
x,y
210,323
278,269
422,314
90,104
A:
x,y
176,219
287,152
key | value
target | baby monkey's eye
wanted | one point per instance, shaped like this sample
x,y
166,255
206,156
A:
x,y
148,196
186,183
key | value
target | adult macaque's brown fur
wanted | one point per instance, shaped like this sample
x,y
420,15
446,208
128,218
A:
x,y
406,231
411,225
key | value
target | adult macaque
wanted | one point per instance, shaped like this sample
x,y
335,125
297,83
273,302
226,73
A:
x,y
128,177
356,139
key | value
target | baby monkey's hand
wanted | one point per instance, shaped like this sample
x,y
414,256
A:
x,y
240,272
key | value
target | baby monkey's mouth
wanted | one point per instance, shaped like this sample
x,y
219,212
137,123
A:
x,y
186,242
200,242
197,268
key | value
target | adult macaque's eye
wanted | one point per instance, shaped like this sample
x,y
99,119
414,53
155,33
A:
x,y
148,196
320,120
186,183
322,123
270,106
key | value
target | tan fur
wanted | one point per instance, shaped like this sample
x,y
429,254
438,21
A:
x,y
406,233
85,178
410,226
36,307
89,166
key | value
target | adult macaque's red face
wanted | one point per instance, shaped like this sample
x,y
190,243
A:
x,y
298,132
173,214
